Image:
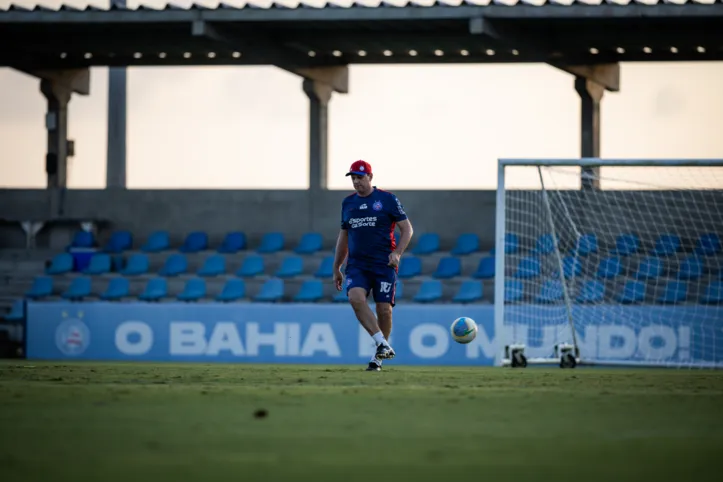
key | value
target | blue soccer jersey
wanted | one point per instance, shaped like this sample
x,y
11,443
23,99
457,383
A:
x,y
370,222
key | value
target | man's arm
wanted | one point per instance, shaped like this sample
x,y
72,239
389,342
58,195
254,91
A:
x,y
406,229
342,249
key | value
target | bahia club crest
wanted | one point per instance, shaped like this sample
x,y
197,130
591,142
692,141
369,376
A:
x,y
72,336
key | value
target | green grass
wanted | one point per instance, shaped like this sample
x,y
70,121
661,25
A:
x,y
162,422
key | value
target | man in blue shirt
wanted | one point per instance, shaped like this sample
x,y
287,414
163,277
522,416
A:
x,y
368,219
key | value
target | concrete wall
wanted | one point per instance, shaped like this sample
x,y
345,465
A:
x,y
448,213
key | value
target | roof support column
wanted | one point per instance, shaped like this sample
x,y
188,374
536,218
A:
x,y
590,96
318,86
115,175
56,159
319,96
591,81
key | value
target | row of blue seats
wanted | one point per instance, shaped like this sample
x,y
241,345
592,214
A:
x,y
176,264
233,242
591,291
626,244
666,244
651,267
633,291
234,289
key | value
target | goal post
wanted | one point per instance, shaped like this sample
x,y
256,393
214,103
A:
x,y
629,273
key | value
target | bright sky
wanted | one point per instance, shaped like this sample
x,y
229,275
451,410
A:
x,y
432,127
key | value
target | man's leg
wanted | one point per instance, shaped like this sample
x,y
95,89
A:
x,y
384,318
384,288
365,315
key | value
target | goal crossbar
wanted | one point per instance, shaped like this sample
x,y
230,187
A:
x,y
597,162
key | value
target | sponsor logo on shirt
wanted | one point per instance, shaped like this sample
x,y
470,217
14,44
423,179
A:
x,y
363,222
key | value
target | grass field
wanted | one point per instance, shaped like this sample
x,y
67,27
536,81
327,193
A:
x,y
160,422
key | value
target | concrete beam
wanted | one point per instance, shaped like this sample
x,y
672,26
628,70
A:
x,y
605,75
285,58
74,80
335,77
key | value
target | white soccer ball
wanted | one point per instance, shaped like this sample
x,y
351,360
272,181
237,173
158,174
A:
x,y
463,329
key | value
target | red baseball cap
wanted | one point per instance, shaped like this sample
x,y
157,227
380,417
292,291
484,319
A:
x,y
360,168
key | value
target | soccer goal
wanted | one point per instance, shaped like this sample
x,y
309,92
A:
x,y
629,272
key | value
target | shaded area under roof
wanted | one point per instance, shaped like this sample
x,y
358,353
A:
x,y
310,36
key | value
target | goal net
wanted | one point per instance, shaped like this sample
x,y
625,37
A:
x,y
628,272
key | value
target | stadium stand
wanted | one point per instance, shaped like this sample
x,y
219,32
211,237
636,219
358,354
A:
x,y
626,269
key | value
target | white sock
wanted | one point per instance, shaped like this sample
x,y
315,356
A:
x,y
375,360
379,338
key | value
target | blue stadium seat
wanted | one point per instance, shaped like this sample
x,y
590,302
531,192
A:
x,y
252,265
233,243
156,289
60,264
448,267
626,244
340,297
233,290
690,268
512,244
17,311
708,244
467,243
428,244
79,288
271,243
650,267
156,242
326,268
666,245
713,294
290,266
272,290
609,268
409,267
99,264
119,241
82,239
214,265
632,292
571,267
429,291
528,267
309,243
117,288
194,290
545,244
485,268
137,264
514,291
195,242
174,265
674,292
399,290
592,291
586,245
42,286
469,292
550,292
310,291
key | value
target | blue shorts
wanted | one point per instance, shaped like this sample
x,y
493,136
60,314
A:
x,y
381,280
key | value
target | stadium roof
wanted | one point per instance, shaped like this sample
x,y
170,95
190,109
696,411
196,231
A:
x,y
572,32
